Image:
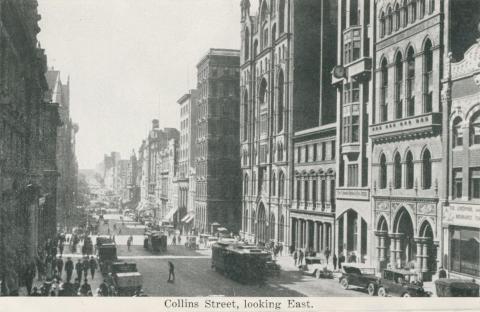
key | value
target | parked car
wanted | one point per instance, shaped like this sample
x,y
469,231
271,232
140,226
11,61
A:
x,y
359,276
401,283
314,266
451,287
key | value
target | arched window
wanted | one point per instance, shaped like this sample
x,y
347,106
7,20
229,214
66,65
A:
x,y
281,16
382,25
255,48
306,187
281,227
389,21
421,4
384,91
475,129
457,132
397,171
397,17
274,33
281,184
431,6
427,169
254,184
428,77
410,82
405,13
263,92
410,171
281,86
272,226
273,7
265,37
399,86
383,172
413,10
264,12
245,185
245,115
274,184
253,225
247,44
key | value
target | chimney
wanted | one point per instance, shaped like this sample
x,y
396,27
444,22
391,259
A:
x,y
155,124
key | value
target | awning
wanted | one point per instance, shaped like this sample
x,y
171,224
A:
x,y
170,214
187,218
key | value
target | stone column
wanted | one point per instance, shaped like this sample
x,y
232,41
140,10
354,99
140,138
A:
x,y
419,262
299,234
345,231
308,233
425,255
315,236
359,239
324,236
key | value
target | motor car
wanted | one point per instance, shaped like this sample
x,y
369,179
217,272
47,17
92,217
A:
x,y
401,283
452,287
361,276
314,266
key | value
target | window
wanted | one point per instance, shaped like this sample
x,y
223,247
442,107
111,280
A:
x,y
410,171
333,149
457,183
382,25
384,92
410,82
352,179
427,169
263,92
399,86
465,250
324,150
397,17
265,37
457,133
299,155
475,183
274,34
428,78
405,13
315,146
389,21
383,172
247,43
281,13
274,186
280,102
281,184
245,115
306,195
475,130
354,18
314,192
431,6
422,8
323,187
307,159
397,171
352,44
413,10
299,187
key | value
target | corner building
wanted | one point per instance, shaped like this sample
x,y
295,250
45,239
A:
x,y
277,101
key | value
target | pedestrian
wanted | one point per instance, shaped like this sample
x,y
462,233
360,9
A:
x,y
179,239
334,259
442,273
93,266
295,257
171,272
300,257
327,254
174,240
69,269
129,243
60,247
341,259
79,269
60,265
85,288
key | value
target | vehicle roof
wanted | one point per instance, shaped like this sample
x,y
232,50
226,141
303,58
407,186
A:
x,y
401,271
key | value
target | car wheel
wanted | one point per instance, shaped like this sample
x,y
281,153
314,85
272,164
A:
x,y
382,292
371,289
406,295
344,283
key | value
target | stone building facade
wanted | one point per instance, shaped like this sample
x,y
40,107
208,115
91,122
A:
x,y
217,162
282,81
28,129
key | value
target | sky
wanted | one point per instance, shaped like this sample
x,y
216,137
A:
x,y
129,61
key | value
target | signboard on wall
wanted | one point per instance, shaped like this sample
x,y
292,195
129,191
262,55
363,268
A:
x,y
461,214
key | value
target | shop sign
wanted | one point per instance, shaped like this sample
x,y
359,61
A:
x,y
358,194
466,215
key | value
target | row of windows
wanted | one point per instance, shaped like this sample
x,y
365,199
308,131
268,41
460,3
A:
x,y
307,190
401,15
409,171
474,180
316,152
405,105
277,187
474,131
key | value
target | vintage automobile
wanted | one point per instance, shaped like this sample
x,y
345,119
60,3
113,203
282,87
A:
x,y
106,255
360,276
401,283
314,266
125,278
191,242
156,241
451,287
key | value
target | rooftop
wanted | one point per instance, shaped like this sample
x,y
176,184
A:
x,y
219,52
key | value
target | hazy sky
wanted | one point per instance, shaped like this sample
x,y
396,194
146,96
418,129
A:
x,y
129,61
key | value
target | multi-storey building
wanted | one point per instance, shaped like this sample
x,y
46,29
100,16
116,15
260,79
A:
x,y
133,188
460,253
282,82
352,78
185,160
217,196
28,129
313,212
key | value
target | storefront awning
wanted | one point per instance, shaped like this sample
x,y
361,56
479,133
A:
x,y
170,214
188,218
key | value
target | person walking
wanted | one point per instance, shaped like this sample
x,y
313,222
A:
x,y
171,272
129,243
334,259
86,267
300,257
93,266
174,240
326,253
179,239
79,269
295,257
60,247
59,264
69,269
341,259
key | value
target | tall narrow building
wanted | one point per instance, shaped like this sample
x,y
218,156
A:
x,y
217,197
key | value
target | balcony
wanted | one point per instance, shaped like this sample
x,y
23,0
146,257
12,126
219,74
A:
x,y
357,65
351,148
415,126
354,193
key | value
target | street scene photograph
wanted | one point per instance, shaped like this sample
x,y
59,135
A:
x,y
220,149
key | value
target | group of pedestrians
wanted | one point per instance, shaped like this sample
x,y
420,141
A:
x,y
300,254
